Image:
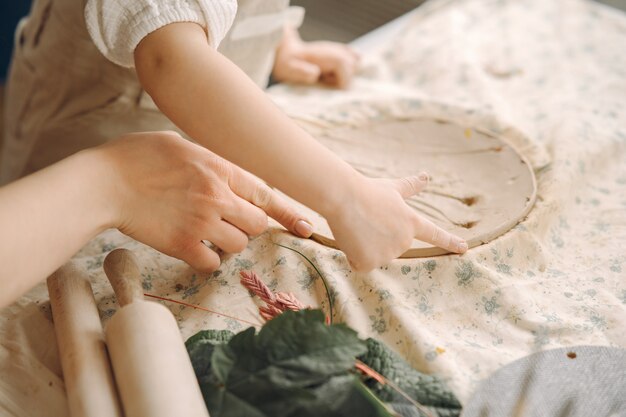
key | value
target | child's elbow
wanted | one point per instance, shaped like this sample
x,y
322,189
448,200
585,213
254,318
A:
x,y
150,63
162,53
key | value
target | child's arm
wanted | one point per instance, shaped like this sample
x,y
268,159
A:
x,y
156,187
212,100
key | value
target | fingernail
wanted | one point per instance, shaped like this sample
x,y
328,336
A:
x,y
462,247
304,228
423,177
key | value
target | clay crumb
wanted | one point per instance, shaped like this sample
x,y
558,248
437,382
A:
x,y
469,201
468,225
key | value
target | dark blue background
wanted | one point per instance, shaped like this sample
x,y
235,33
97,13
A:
x,y
10,13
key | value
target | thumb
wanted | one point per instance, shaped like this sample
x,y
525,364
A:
x,y
200,257
303,72
409,186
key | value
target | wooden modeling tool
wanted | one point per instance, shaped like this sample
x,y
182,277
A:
x,y
150,363
89,382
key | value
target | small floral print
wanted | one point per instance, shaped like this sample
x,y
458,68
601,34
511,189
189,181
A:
x,y
430,265
466,273
383,294
490,305
378,322
542,337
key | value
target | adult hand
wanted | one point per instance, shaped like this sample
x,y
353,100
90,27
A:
x,y
375,225
301,62
171,194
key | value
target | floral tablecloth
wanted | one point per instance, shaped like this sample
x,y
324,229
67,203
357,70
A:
x,y
547,76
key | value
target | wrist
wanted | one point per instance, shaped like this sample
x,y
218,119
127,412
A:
x,y
100,187
291,35
290,45
340,194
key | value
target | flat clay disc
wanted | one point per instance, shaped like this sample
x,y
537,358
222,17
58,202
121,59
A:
x,y
480,187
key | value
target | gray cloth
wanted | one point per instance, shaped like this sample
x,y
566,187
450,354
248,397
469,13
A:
x,y
580,381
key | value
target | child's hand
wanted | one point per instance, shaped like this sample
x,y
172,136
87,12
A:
x,y
375,225
301,62
171,194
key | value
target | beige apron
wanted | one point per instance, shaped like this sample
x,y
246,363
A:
x,y
63,95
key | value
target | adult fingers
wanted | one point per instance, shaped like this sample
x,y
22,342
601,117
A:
x,y
246,216
227,237
427,231
281,211
409,186
246,186
201,258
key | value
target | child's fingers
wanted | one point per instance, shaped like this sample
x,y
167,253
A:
x,y
200,257
342,74
355,55
337,62
345,68
302,72
429,232
409,186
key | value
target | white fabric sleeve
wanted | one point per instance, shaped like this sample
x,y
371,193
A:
x,y
117,26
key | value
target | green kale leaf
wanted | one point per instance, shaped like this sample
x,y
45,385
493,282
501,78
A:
x,y
428,390
295,366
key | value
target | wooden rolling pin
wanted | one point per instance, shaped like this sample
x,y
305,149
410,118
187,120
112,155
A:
x,y
87,372
153,372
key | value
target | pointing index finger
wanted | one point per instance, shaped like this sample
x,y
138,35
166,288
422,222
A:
x,y
251,189
429,232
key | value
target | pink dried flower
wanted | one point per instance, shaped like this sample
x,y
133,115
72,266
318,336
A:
x,y
288,301
251,281
275,303
269,312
